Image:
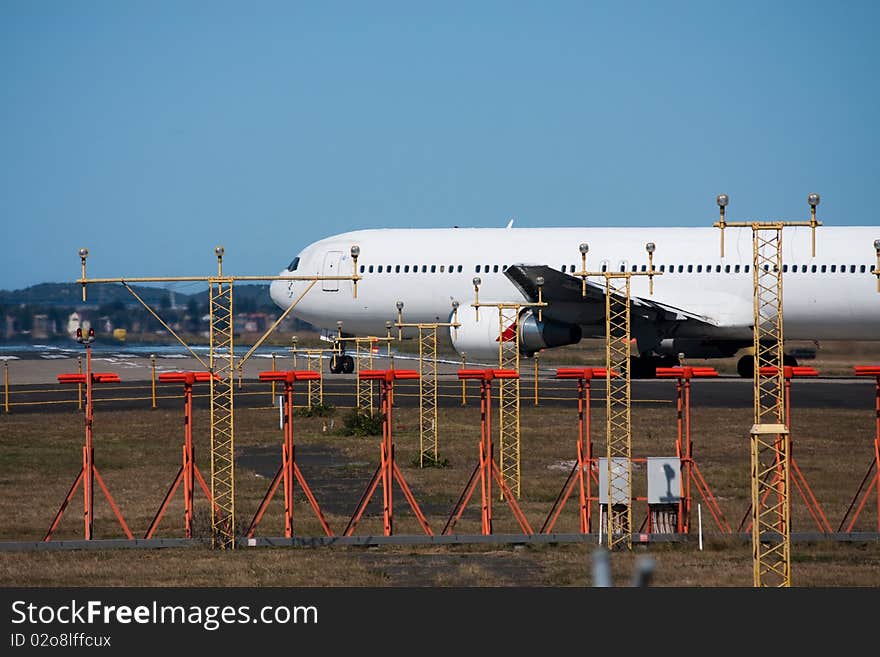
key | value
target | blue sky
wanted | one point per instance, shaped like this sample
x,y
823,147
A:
x,y
152,131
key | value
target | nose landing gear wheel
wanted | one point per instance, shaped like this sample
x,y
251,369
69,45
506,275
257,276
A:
x,y
347,365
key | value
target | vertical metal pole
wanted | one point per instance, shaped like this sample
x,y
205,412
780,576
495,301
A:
x,y
6,386
273,382
464,381
88,453
188,459
79,388
153,378
536,377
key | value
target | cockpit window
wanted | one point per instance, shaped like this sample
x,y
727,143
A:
x,y
294,264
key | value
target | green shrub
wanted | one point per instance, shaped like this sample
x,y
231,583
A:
x,y
317,410
359,423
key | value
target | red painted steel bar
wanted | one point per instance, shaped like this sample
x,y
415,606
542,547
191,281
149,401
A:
x,y
189,472
387,472
486,469
684,449
288,472
583,473
873,473
88,474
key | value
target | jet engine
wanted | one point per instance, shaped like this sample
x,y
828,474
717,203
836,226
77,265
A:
x,y
479,339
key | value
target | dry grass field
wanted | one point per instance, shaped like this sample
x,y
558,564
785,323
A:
x,y
138,453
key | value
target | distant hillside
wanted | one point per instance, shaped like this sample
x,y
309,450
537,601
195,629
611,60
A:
x,y
251,296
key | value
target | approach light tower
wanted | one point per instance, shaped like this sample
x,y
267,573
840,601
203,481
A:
x,y
770,440
618,402
222,365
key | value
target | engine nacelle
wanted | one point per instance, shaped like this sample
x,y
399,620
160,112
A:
x,y
479,339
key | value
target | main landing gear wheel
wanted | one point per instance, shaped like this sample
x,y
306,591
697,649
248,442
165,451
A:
x,y
341,364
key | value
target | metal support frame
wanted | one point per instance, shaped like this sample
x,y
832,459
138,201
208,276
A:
x,y
288,472
770,444
88,473
797,477
583,473
618,401
684,449
189,472
363,351
222,363
387,471
314,363
872,476
509,388
487,469
429,435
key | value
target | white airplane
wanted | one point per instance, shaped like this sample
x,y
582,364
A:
x,y
701,306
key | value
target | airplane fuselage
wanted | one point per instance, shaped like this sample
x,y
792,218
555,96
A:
x,y
832,296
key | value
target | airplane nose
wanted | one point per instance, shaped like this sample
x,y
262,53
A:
x,y
278,293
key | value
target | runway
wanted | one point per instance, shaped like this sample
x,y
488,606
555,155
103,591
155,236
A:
x,y
339,390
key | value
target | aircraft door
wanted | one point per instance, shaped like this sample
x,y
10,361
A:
x,y
332,263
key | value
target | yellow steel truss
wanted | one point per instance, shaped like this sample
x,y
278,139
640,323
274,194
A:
x,y
364,361
618,401
508,397
222,366
770,445
618,430
769,441
428,436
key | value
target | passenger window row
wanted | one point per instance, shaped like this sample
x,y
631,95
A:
x,y
664,269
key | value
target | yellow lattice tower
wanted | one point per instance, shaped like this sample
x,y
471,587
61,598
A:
x,y
770,444
222,365
509,389
364,361
429,440
618,401
363,352
508,398
314,363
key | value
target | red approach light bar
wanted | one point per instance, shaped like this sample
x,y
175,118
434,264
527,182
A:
x,y
289,376
488,375
97,377
789,372
685,372
582,373
867,370
388,375
186,377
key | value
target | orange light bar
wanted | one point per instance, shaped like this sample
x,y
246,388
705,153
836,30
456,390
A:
x,y
388,375
97,377
867,370
289,376
582,373
488,375
790,372
186,377
686,372
71,378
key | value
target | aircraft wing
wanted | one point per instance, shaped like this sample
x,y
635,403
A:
x,y
562,293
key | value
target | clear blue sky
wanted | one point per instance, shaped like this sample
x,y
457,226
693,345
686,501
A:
x,y
151,131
